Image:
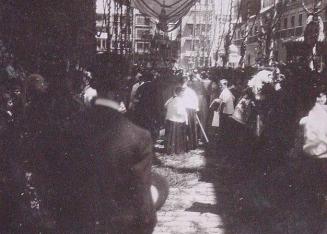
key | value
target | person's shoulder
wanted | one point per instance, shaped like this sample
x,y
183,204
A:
x,y
228,92
132,128
223,92
190,91
126,127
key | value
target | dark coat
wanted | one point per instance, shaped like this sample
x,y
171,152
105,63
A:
x,y
95,177
110,176
147,113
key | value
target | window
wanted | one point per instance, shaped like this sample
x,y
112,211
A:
x,y
139,46
146,46
141,20
188,31
285,22
101,44
278,26
293,21
187,46
300,19
142,47
98,43
140,33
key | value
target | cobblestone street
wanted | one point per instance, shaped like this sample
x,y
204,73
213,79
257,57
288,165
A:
x,y
220,194
190,205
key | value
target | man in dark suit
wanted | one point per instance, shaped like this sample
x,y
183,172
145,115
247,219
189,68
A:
x,y
146,112
113,171
92,177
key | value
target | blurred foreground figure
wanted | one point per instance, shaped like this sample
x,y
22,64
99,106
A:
x,y
110,170
315,142
191,103
94,176
26,183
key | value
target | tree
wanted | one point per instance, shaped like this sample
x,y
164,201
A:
x,y
313,32
229,36
249,12
267,31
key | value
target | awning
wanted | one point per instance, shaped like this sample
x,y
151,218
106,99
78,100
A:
x,y
263,10
172,10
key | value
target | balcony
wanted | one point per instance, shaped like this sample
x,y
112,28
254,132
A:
x,y
298,31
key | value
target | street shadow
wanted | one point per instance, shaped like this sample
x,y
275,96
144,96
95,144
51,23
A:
x,y
181,170
203,208
259,194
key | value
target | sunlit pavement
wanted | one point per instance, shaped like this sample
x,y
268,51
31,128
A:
x,y
221,194
190,207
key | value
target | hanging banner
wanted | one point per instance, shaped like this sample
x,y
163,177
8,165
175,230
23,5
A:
x,y
164,11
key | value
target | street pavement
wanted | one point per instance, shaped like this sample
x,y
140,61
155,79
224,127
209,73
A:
x,y
214,191
190,207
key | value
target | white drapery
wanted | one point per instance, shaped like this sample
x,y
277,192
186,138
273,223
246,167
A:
x,y
172,10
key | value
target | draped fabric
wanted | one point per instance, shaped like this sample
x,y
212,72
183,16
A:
x,y
175,9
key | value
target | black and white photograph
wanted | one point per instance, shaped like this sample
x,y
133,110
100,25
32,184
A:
x,y
163,116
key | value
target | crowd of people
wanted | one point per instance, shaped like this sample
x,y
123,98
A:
x,y
264,115
75,147
70,161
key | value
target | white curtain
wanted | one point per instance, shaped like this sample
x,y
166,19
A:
x,y
175,9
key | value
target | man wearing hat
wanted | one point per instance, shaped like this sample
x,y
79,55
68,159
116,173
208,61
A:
x,y
133,100
111,172
226,108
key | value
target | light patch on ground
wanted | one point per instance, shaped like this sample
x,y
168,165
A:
x,y
180,214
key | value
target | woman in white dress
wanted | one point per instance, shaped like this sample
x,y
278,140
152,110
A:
x,y
176,120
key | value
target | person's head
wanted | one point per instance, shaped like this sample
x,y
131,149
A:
x,y
178,91
36,83
248,93
214,85
7,101
138,77
185,80
148,76
322,96
223,83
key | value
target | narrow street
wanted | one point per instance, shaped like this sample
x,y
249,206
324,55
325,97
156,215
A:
x,y
215,193
191,204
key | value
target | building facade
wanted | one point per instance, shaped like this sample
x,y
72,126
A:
x,y
287,26
198,35
129,32
114,23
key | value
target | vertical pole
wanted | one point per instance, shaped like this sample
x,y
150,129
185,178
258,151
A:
x,y
121,43
109,27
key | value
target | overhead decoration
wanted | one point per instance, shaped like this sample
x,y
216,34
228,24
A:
x,y
164,12
314,31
